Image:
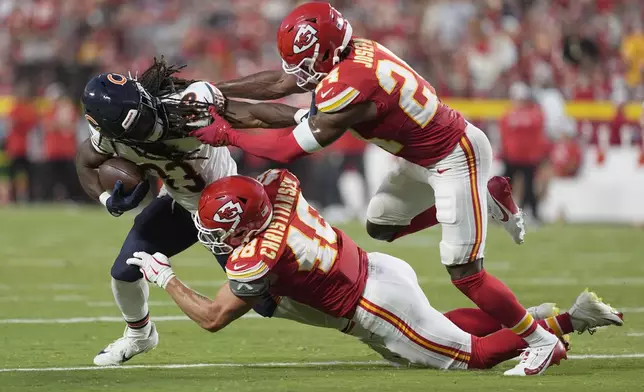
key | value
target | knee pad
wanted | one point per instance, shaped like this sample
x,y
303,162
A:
x,y
387,210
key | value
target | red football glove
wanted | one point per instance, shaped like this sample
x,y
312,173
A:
x,y
218,133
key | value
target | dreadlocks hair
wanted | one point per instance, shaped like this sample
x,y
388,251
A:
x,y
160,81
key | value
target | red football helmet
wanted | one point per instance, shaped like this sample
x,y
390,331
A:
x,y
310,41
232,211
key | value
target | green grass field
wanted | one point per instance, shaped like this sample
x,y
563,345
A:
x,y
54,285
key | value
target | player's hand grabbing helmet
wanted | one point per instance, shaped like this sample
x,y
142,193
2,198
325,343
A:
x,y
232,211
119,108
310,41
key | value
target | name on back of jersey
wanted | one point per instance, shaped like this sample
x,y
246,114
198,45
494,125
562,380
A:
x,y
273,238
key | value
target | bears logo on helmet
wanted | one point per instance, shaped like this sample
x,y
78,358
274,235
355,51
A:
x,y
117,79
93,122
305,38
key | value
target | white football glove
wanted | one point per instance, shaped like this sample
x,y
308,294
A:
x,y
155,268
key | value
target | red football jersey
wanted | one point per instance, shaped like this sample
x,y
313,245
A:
x,y
304,257
412,122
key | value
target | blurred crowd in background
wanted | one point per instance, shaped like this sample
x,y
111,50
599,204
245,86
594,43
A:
x,y
539,53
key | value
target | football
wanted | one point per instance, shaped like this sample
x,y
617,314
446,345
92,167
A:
x,y
115,169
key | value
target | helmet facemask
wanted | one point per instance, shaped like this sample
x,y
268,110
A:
x,y
304,71
215,239
147,126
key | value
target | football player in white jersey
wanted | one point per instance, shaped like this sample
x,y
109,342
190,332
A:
x,y
147,121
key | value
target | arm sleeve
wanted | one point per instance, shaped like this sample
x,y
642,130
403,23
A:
x,y
283,148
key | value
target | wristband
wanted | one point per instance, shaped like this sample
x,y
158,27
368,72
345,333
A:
x,y
103,198
305,139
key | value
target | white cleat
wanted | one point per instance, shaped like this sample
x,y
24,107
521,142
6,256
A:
x,y
543,311
589,312
123,349
502,208
535,360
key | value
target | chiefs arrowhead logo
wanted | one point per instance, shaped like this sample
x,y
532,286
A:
x,y
229,213
305,37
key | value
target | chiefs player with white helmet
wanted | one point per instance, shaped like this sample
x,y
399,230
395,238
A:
x,y
444,166
279,245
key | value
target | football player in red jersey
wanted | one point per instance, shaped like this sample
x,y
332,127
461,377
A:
x,y
280,245
444,165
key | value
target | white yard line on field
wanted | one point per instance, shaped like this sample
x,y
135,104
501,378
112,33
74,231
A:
x,y
635,334
112,319
266,364
106,285
547,281
111,304
99,319
631,310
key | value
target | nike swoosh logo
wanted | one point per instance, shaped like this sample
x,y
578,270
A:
x,y
506,217
237,267
324,94
544,364
441,171
125,358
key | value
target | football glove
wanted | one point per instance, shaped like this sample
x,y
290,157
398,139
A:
x,y
218,133
119,202
155,268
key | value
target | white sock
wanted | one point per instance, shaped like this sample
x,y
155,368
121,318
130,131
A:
x,y
132,300
352,189
539,337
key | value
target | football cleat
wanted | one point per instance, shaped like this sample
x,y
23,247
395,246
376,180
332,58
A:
x,y
589,312
123,349
503,209
535,360
543,311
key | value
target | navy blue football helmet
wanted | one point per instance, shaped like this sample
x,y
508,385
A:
x,y
120,109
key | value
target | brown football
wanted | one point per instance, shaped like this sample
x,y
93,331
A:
x,y
115,169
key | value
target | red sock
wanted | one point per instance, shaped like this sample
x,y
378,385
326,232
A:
x,y
493,349
421,221
478,323
560,324
495,298
473,321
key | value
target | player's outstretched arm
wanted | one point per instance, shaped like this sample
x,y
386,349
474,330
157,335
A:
x,y
262,115
211,315
308,137
87,161
262,86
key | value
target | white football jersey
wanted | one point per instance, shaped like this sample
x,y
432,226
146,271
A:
x,y
183,179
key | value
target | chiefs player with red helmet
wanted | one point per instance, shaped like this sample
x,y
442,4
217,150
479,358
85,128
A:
x,y
280,245
444,166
